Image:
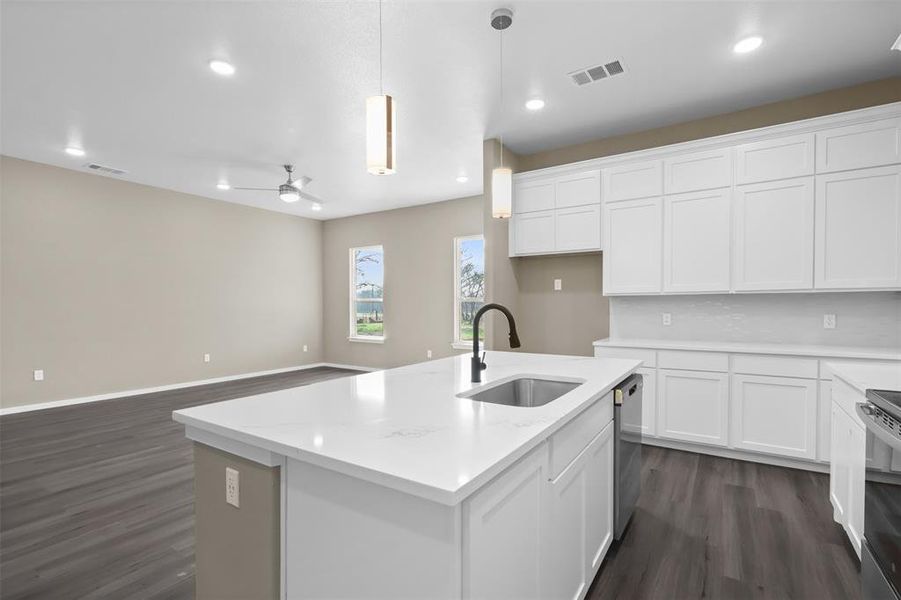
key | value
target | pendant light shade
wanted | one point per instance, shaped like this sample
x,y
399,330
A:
x,y
501,192
380,138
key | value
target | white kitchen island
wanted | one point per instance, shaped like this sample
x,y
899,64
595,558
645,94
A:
x,y
395,486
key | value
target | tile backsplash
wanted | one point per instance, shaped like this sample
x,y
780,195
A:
x,y
869,319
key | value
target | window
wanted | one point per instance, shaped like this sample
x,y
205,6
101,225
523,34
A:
x,y
469,285
367,302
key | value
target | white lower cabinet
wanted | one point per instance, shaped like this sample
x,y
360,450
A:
x,y
581,521
776,415
693,406
526,535
847,470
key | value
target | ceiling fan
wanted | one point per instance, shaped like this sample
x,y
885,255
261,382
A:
x,y
291,190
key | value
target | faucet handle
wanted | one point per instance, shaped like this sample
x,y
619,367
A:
x,y
482,364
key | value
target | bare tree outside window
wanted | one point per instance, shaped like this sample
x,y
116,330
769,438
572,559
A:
x,y
368,302
469,285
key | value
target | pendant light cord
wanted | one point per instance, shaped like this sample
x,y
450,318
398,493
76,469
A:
x,y
501,111
381,88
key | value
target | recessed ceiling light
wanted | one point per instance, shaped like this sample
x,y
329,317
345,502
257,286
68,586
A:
x,y
749,44
462,179
317,206
223,186
535,104
220,67
73,151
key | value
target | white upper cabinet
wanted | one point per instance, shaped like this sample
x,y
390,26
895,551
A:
x,y
696,241
579,189
633,180
858,229
772,237
782,158
698,171
556,214
859,146
633,258
578,228
533,232
531,196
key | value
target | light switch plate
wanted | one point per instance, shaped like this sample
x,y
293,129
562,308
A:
x,y
667,319
428,354
232,487
206,358
828,321
39,374
305,348
558,285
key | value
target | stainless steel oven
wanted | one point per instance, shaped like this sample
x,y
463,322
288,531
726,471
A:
x,y
880,561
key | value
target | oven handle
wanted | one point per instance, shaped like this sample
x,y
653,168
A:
x,y
865,412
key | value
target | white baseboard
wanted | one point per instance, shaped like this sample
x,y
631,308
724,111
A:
x,y
778,461
162,388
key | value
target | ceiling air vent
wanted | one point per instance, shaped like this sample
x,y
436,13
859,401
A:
x,y
583,76
104,169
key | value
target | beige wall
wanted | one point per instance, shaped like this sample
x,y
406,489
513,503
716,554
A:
x,y
419,267
567,322
237,549
111,286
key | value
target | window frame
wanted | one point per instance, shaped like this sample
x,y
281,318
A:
x,y
458,343
353,336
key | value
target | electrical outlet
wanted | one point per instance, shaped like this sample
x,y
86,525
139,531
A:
x,y
232,487
206,358
305,348
558,285
667,319
428,354
828,321
39,374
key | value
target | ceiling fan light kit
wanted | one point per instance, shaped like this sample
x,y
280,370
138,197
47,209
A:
x,y
381,119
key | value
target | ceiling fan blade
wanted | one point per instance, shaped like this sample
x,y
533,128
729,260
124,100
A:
x,y
301,182
256,189
311,197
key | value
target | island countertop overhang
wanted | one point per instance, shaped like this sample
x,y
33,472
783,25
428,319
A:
x,y
406,428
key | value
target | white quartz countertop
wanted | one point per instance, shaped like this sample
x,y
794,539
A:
x,y
864,376
750,348
406,428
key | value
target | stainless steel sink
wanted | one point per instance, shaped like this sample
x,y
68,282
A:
x,y
525,391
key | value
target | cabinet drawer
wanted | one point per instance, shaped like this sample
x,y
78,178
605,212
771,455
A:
x,y
648,357
579,189
781,158
531,196
631,181
858,146
693,361
566,444
698,171
776,366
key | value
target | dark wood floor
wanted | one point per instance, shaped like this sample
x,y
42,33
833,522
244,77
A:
x,y
96,500
97,503
711,527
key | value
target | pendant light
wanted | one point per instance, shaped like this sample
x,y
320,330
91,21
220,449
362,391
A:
x,y
501,176
381,156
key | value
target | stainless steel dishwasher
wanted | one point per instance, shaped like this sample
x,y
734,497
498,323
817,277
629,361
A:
x,y
626,451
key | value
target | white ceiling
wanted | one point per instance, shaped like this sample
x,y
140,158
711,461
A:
x,y
129,82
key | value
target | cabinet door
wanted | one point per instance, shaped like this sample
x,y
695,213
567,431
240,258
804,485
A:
x,y
505,529
782,158
599,513
776,415
697,171
696,242
857,453
533,232
633,180
578,228
633,257
567,575
772,237
531,196
858,229
648,425
579,189
839,464
824,429
693,406
859,146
